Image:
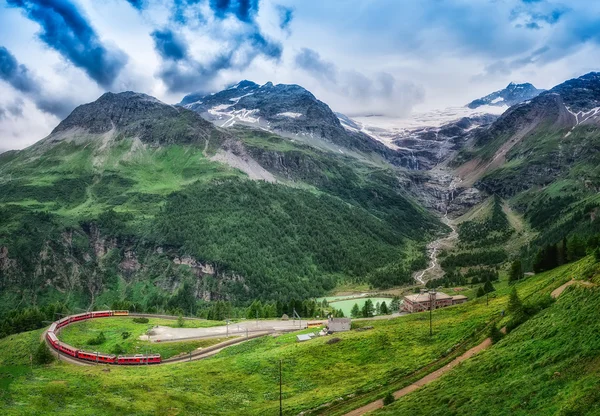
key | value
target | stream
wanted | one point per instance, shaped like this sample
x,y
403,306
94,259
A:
x,y
434,270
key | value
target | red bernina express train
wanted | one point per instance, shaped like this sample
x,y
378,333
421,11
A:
x,y
96,357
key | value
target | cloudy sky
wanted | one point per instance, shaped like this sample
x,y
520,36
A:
x,y
391,57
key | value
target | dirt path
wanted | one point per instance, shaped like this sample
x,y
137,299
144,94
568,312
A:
x,y
441,371
434,269
425,380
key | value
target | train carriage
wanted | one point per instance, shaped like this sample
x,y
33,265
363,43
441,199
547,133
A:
x,y
62,322
101,314
120,313
138,359
80,317
96,357
67,349
52,327
51,337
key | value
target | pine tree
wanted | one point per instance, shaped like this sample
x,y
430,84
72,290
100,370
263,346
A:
x,y
597,255
516,271
495,334
480,292
355,312
43,355
368,309
488,287
388,399
515,306
384,309
378,308
180,321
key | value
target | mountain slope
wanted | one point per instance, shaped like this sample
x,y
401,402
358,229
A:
x,y
126,199
548,365
544,155
293,112
509,96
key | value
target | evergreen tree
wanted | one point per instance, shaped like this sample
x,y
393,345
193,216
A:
x,y
394,304
561,249
515,306
43,355
488,287
355,312
378,308
480,292
495,334
368,309
575,248
384,308
180,321
388,399
516,271
597,255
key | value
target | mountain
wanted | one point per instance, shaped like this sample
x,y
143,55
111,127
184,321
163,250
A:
x,y
131,198
137,115
290,111
509,96
543,156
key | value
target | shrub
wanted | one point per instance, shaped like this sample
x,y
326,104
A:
x,y
388,399
125,335
43,355
118,349
100,339
180,321
495,334
140,320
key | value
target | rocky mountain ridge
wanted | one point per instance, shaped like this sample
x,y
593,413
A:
x,y
509,96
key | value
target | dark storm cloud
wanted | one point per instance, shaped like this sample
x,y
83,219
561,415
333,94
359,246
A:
x,y
21,79
169,45
67,31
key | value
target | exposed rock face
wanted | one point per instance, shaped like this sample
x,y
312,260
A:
x,y
509,96
431,146
440,191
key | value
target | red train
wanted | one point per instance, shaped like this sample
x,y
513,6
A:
x,y
95,356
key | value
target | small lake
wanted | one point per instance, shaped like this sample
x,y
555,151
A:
x,y
346,305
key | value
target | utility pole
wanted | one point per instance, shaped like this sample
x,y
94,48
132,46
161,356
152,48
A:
x,y
431,305
280,390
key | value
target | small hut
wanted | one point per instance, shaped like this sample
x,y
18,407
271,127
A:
x,y
284,317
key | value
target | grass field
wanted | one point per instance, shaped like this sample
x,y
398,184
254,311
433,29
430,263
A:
x,y
243,379
547,366
79,334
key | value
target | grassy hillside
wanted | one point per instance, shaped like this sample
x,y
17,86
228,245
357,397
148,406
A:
x,y
93,220
547,366
244,378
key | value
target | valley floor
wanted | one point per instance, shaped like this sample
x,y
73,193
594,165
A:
x,y
243,379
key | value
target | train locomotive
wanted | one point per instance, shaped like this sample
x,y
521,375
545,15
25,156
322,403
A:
x,y
51,336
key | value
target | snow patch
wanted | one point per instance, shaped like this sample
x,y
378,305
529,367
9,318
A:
x,y
290,114
497,100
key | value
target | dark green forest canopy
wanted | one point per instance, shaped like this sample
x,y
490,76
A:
x,y
284,241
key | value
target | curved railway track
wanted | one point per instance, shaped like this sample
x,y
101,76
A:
x,y
75,356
